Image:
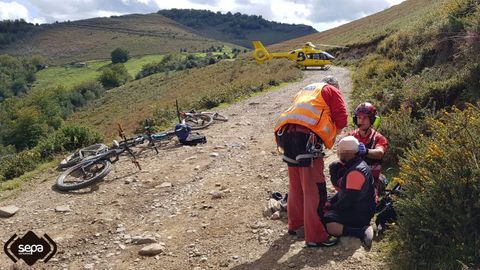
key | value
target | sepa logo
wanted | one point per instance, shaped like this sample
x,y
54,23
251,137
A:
x,y
30,248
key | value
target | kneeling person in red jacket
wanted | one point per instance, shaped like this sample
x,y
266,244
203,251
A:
x,y
352,208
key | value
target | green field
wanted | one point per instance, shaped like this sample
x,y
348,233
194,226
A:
x,y
69,75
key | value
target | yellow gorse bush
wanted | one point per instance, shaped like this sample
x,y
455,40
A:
x,y
439,222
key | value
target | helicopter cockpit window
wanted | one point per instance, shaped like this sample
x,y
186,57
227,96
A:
x,y
315,56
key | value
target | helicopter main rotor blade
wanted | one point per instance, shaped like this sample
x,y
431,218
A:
x,y
333,46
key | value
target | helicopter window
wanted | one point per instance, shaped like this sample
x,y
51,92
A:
x,y
313,56
323,56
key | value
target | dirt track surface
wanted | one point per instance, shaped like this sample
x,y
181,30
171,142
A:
x,y
202,204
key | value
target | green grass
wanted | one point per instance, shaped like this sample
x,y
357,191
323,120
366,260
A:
x,y
69,75
11,187
134,65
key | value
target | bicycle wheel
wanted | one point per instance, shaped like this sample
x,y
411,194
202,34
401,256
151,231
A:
x,y
198,121
70,160
219,117
82,154
83,175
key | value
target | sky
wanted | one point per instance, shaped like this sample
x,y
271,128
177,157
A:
x,y
321,14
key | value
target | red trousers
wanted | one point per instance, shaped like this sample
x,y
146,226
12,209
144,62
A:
x,y
304,194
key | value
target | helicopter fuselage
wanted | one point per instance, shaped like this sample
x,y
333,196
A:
x,y
306,56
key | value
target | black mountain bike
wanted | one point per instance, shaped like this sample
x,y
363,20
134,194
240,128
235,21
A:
x,y
386,214
95,167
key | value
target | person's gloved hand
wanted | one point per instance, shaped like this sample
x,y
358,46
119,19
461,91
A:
x,y
362,150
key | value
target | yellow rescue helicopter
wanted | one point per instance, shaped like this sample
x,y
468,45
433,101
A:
x,y
307,56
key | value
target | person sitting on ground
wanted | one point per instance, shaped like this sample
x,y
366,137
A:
x,y
373,145
352,208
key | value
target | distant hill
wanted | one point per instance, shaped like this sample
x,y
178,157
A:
x,y
95,38
369,30
237,28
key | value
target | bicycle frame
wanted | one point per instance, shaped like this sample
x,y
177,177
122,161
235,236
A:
x,y
155,137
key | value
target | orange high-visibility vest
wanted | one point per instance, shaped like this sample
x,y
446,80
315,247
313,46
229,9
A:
x,y
310,110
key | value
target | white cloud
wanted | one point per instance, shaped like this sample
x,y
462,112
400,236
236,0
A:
x,y
12,10
394,2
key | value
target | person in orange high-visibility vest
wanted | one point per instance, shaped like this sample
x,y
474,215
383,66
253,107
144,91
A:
x,y
313,121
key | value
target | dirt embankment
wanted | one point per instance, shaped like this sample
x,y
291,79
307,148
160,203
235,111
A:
x,y
202,204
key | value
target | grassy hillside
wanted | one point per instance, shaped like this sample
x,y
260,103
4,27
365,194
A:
x,y
361,34
94,39
196,88
236,28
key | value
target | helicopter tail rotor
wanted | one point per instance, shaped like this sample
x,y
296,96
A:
x,y
260,54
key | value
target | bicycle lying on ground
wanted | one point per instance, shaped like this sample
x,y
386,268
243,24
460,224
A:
x,y
198,120
84,153
154,141
95,167
386,214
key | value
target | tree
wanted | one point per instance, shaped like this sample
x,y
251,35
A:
x,y
114,76
26,129
119,55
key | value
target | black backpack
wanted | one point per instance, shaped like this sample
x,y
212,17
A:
x,y
194,139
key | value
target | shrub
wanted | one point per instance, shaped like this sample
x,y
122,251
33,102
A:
x,y
215,98
67,138
89,89
401,130
273,83
16,165
119,55
440,210
162,117
114,76
175,62
26,129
